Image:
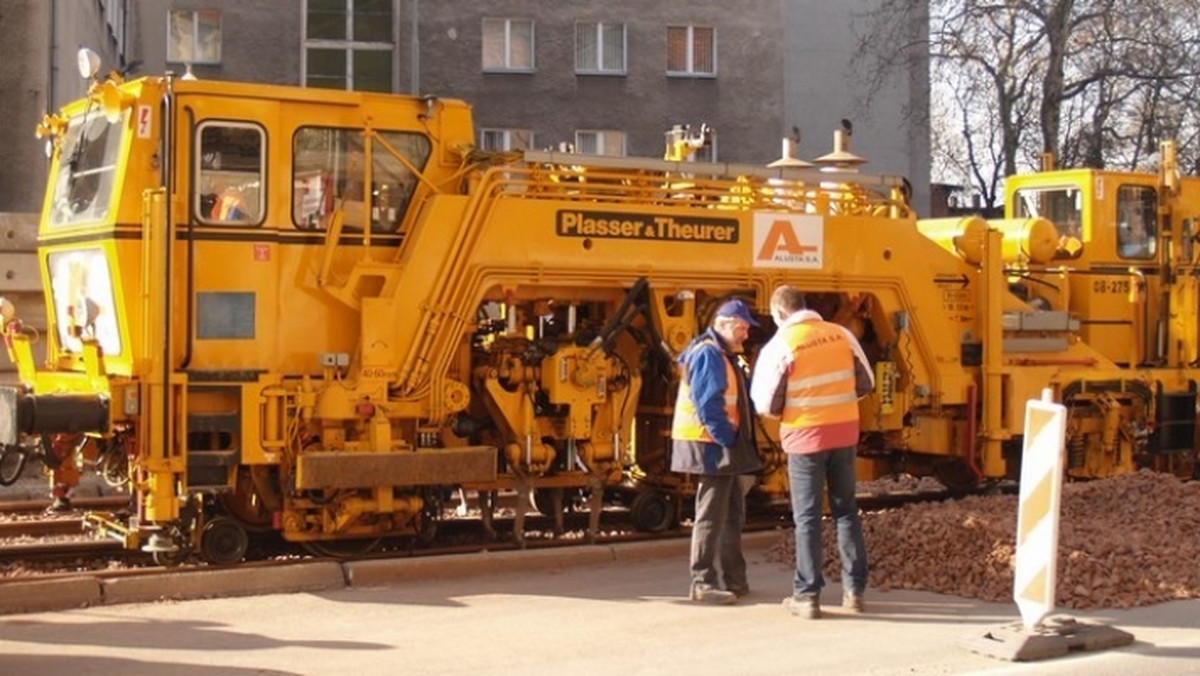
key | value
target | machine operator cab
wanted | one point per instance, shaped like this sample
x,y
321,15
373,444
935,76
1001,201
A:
x,y
1110,267
1102,218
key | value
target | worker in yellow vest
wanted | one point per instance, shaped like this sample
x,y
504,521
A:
x,y
810,375
713,438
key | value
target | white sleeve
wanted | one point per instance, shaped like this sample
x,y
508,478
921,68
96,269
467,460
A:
x,y
769,370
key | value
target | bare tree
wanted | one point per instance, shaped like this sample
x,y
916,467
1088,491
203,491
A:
x,y
1091,82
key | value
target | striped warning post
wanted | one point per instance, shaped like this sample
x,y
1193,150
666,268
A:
x,y
1038,511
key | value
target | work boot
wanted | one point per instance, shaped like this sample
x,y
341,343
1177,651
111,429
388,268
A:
x,y
853,602
60,504
705,593
740,591
807,607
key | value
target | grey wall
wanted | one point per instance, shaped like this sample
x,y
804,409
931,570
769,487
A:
x,y
24,68
260,40
821,88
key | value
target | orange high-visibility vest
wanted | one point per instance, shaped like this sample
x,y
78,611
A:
x,y
230,206
820,387
686,425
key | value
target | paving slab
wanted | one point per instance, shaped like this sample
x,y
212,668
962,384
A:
x,y
619,617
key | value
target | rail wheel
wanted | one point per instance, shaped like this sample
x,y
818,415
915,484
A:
x,y
652,511
224,541
167,547
169,559
341,549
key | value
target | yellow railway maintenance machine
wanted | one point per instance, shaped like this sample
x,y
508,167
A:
x,y
324,312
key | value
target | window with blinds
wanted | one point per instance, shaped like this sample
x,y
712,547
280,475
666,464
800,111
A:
x,y
691,51
600,142
505,139
600,48
508,45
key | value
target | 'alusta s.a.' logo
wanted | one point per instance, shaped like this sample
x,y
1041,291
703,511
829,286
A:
x,y
789,241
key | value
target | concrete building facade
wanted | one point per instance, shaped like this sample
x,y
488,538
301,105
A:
x,y
601,74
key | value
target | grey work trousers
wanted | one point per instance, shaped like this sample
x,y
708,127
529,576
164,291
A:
x,y
717,560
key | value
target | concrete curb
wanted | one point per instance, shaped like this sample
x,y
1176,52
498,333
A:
x,y
59,594
237,581
394,571
250,579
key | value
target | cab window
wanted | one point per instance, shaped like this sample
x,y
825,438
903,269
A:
x,y
329,174
1061,206
87,165
1137,230
230,173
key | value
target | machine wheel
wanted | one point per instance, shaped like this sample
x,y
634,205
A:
x,y
244,504
224,541
341,549
652,511
168,547
427,530
113,463
12,463
169,559
543,500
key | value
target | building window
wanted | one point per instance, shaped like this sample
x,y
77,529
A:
x,y
508,44
194,36
706,153
600,48
230,173
505,139
593,142
691,50
350,44
114,19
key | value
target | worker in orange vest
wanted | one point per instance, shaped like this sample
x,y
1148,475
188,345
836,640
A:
x,y
713,438
230,205
810,375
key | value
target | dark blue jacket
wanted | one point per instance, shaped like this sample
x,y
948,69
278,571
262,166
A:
x,y
734,450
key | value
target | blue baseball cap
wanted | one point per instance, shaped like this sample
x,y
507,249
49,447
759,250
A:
x,y
737,309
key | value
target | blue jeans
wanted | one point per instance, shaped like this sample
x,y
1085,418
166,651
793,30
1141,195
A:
x,y
810,474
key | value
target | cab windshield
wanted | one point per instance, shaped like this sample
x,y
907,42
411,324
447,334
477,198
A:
x,y
1061,206
87,165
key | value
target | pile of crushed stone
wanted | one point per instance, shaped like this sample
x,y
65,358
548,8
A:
x,y
1125,541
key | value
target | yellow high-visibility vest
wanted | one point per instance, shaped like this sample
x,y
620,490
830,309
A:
x,y
686,425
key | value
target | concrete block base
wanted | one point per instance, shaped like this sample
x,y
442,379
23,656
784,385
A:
x,y
1056,637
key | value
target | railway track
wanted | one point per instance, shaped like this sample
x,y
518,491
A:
x,y
78,505
33,547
